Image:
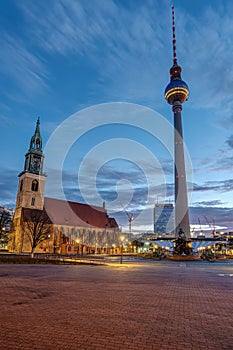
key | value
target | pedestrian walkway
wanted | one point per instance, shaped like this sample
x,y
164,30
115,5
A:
x,y
152,305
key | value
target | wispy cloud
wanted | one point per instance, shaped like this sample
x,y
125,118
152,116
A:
x,y
224,163
25,68
121,42
218,186
218,162
208,55
229,142
8,186
127,46
79,26
212,203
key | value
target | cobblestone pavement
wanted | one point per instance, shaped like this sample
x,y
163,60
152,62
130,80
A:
x,y
160,305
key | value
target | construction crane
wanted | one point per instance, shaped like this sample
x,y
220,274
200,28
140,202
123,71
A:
x,y
212,226
214,229
130,218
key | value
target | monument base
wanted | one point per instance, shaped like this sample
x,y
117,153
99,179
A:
x,y
183,257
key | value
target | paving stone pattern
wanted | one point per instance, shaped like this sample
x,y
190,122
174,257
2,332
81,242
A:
x,y
159,305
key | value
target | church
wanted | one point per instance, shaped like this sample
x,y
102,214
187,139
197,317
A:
x,y
49,225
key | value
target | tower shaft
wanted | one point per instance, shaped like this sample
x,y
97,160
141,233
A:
x,y
181,197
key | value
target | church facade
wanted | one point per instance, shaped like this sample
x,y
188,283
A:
x,y
53,225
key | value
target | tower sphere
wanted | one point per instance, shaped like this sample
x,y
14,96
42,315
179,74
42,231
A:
x,y
176,90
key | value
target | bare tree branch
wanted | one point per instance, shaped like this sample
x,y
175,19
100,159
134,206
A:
x,y
37,226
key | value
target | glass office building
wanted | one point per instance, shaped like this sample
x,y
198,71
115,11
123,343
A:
x,y
163,218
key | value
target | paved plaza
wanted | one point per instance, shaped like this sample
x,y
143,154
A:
x,y
152,305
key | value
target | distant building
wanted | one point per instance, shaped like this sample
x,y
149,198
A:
x,y
10,213
163,218
6,217
75,227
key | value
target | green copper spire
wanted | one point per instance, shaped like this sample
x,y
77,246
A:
x,y
37,132
36,140
34,157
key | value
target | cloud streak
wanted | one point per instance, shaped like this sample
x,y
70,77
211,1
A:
x,y
212,203
114,37
8,187
25,68
132,39
217,186
229,142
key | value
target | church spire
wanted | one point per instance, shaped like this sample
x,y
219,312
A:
x,y
34,157
37,132
36,140
32,179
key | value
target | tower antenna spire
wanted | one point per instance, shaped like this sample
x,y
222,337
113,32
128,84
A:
x,y
174,36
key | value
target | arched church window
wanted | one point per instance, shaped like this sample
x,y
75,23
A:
x,y
21,186
33,201
35,185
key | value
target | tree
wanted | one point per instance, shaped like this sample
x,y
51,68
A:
x,y
37,227
137,244
5,221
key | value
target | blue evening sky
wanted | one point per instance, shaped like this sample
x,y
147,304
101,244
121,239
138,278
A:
x,y
59,57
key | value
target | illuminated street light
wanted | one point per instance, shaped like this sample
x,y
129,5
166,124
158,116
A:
x,y
78,243
122,240
48,242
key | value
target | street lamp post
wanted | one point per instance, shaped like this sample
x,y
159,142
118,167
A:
x,y
78,243
122,239
48,243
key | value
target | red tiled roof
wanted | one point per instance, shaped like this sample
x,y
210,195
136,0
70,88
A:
x,y
29,214
69,213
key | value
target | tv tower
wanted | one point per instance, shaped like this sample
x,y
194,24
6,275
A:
x,y
176,93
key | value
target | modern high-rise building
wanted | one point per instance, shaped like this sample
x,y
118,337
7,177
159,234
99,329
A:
x,y
163,218
176,93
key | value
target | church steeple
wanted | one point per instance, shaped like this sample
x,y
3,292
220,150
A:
x,y
32,179
36,140
34,158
